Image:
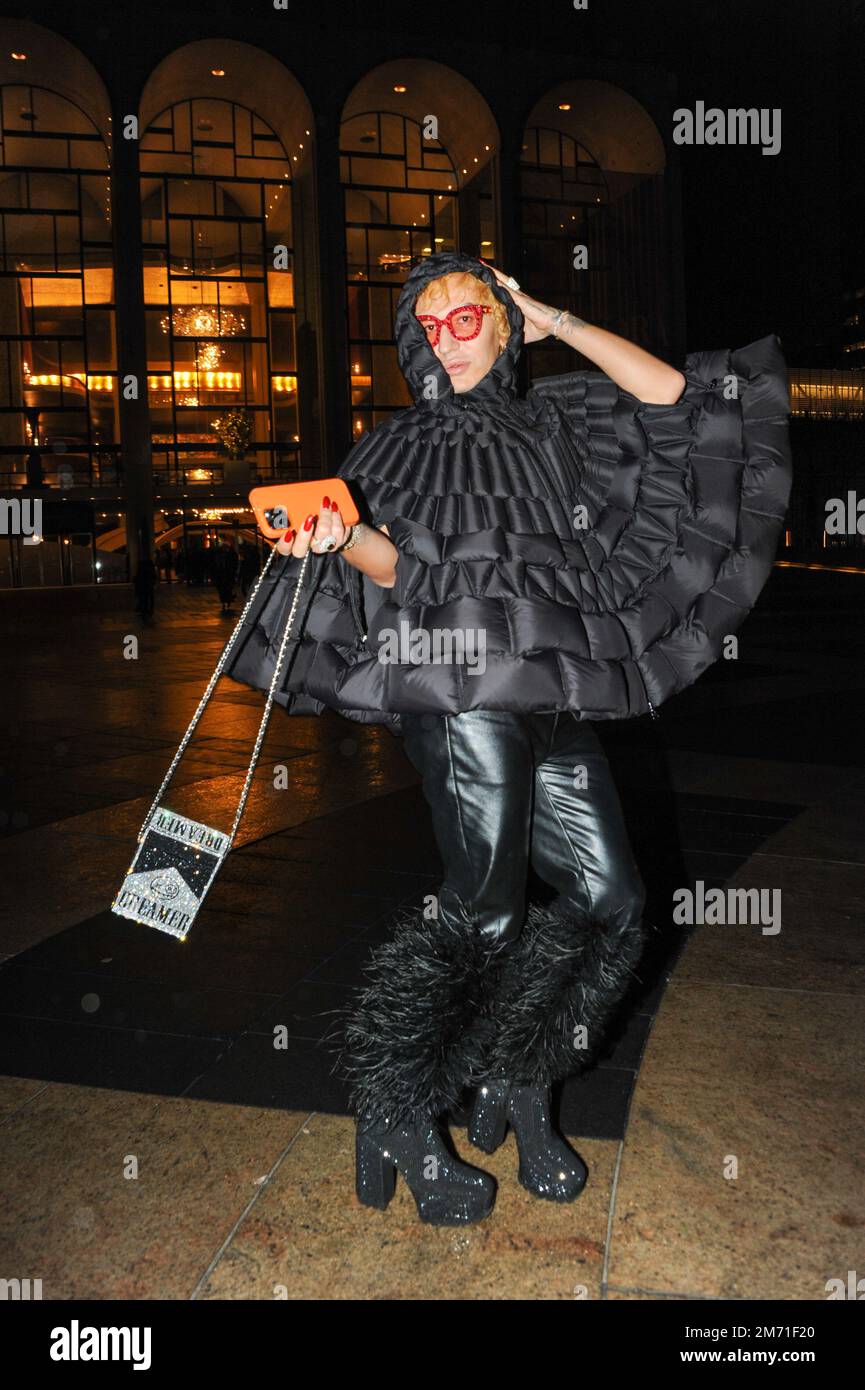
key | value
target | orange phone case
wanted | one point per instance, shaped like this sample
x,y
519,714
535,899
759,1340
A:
x,y
297,501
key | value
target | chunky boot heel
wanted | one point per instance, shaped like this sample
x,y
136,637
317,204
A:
x,y
489,1120
549,1167
375,1173
447,1192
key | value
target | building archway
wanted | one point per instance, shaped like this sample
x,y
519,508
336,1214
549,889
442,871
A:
x,y
225,136
59,423
592,174
418,146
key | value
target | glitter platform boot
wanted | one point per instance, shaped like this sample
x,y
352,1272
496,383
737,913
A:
x,y
546,1013
413,1041
549,1167
447,1191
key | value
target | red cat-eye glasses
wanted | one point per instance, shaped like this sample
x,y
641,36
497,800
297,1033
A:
x,y
463,323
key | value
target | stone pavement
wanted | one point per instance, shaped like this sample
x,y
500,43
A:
x,y
155,1144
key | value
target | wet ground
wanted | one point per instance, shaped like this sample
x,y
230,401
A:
x,y
117,1040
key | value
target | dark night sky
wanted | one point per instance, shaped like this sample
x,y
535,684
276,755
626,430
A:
x,y
764,235
769,242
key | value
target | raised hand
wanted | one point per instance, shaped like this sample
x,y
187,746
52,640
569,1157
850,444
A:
x,y
539,317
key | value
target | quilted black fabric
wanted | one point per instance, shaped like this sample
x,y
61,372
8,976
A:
x,y
596,549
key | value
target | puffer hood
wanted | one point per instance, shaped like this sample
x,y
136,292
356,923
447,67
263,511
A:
x,y
427,380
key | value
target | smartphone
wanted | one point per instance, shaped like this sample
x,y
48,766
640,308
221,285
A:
x,y
289,504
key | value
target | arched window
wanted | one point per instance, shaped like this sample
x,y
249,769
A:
x,y
595,221
563,203
215,204
400,205
58,399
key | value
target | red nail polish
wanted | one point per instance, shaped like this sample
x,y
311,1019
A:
x,y
307,525
289,535
325,501
334,507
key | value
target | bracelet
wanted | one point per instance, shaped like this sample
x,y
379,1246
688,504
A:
x,y
354,536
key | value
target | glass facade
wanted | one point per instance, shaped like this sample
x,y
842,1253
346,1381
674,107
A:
x,y
400,205
567,202
241,270
563,203
58,359
218,294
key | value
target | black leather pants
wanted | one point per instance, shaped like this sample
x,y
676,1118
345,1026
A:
x,y
508,789
490,985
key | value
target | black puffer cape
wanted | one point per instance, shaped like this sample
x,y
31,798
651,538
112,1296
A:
x,y
603,547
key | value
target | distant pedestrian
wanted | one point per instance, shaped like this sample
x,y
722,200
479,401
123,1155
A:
x,y
249,567
145,585
195,564
224,573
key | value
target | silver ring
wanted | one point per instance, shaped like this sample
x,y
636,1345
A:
x,y
514,284
327,544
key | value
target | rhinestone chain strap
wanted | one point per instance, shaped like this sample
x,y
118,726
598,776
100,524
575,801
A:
x,y
209,691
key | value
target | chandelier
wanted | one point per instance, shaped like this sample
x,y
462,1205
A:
x,y
209,357
202,321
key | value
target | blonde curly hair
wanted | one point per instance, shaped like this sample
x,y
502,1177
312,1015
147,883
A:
x,y
476,292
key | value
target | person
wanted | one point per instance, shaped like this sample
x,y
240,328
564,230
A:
x,y
522,566
249,567
145,585
194,563
224,573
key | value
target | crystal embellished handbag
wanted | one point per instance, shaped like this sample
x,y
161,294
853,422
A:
x,y
177,858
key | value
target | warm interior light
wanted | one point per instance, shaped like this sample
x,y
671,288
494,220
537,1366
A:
x,y
45,291
197,381
189,291
217,513
203,321
218,72
399,87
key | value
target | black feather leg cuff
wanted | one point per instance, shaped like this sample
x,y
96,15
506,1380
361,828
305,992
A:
x,y
565,970
416,1035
